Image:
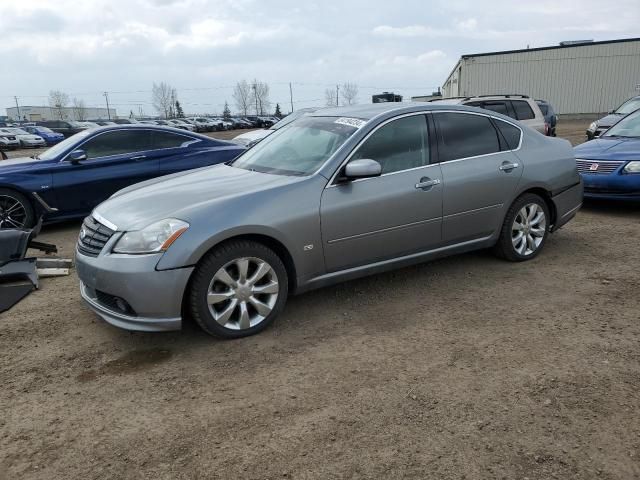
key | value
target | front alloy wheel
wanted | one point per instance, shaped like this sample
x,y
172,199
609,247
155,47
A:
x,y
15,210
238,289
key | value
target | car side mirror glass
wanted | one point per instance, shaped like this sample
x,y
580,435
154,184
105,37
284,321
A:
x,y
362,168
77,156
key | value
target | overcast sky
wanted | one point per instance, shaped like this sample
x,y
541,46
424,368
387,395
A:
x,y
203,47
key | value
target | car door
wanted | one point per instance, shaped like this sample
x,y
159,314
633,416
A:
x,y
479,174
394,214
115,159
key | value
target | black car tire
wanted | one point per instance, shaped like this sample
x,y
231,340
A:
x,y
7,197
212,263
504,248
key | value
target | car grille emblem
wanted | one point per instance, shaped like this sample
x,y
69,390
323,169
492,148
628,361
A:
x,y
593,167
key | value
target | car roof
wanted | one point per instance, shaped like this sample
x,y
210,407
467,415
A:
x,y
160,128
371,110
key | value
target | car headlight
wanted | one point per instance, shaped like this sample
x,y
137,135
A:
x,y
157,237
593,126
632,167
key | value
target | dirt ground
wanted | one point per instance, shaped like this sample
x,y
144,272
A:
x,y
464,368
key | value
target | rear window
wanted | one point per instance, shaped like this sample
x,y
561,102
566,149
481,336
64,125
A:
x,y
523,110
463,135
511,134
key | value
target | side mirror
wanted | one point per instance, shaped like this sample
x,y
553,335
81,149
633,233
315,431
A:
x,y
363,168
77,156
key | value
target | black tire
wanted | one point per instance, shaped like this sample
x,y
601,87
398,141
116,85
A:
x,y
26,219
504,248
214,261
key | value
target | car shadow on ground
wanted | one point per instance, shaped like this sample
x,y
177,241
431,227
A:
x,y
616,208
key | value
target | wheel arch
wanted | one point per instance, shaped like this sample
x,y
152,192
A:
x,y
35,205
546,196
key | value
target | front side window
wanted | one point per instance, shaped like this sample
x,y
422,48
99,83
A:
x,y
299,148
463,135
399,145
523,110
118,143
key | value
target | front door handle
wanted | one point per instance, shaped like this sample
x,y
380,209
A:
x,y
426,183
508,166
138,157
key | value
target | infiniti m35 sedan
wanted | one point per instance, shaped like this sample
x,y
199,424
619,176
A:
x,y
335,195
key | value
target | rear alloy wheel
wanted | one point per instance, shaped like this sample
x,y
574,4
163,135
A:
x,y
524,231
15,210
238,289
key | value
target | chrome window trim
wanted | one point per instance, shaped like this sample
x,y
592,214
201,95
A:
x,y
331,183
126,130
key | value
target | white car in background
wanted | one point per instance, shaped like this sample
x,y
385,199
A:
x,y
182,125
8,142
249,139
24,138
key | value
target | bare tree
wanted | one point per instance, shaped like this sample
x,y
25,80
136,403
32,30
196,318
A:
x,y
261,94
58,101
330,97
163,97
349,93
242,96
79,110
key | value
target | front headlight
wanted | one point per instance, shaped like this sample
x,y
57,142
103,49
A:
x,y
157,237
593,126
632,167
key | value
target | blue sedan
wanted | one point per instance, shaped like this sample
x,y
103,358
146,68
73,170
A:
x,y
71,178
610,165
49,136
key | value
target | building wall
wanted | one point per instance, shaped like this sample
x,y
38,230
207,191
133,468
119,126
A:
x,y
38,113
580,79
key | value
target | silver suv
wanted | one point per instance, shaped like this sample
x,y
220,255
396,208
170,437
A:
x,y
519,107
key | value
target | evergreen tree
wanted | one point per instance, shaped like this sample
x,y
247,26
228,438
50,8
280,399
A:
x,y
226,113
278,112
179,112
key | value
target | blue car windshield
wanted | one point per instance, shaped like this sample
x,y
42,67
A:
x,y
629,126
68,143
629,106
299,148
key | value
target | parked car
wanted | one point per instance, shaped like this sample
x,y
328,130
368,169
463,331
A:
x,y
103,123
338,194
50,137
8,141
550,116
25,138
124,121
67,128
72,177
241,123
599,126
610,164
519,107
249,139
205,124
179,123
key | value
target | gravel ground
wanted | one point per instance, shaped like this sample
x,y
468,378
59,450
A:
x,y
467,367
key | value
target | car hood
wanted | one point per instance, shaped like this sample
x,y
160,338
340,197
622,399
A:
x,y
609,148
17,164
181,195
609,120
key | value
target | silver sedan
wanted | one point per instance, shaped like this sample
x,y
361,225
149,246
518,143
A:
x,y
335,195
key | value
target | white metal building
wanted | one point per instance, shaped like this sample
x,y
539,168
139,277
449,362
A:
x,y
36,113
590,77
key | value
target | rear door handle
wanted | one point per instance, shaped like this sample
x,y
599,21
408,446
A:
x,y
138,157
425,183
505,167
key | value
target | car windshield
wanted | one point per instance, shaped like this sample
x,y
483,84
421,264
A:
x,y
42,129
15,131
56,150
290,118
629,106
629,126
300,148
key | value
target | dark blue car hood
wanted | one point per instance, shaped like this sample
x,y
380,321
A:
x,y
17,164
609,148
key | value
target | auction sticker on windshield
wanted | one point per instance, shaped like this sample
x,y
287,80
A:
x,y
352,122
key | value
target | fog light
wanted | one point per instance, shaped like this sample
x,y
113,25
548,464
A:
x,y
122,305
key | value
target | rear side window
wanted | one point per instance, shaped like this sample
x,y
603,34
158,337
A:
x,y
498,107
523,110
462,135
543,108
171,140
118,143
510,133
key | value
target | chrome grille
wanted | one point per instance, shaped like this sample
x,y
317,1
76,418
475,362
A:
x,y
93,237
598,167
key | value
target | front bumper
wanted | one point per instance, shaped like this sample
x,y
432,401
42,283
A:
x,y
615,186
153,298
